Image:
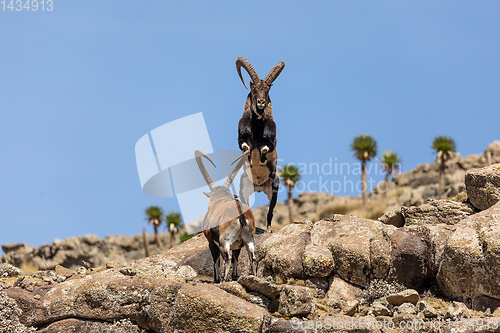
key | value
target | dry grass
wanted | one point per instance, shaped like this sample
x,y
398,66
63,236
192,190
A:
x,y
460,197
28,268
338,208
437,303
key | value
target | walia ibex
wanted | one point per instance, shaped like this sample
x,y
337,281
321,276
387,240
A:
x,y
257,136
228,224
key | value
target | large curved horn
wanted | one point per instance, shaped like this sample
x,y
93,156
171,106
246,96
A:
x,y
198,154
233,173
274,73
242,62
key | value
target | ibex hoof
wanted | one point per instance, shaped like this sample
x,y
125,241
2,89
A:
x,y
264,150
245,146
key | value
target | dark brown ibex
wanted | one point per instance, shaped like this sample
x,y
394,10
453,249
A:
x,y
257,135
228,224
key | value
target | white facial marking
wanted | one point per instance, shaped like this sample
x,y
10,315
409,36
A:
x,y
251,247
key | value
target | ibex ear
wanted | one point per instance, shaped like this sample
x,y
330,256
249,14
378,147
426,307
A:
x,y
251,83
207,194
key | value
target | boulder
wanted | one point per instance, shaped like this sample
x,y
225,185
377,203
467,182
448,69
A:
x,y
283,252
341,292
438,235
405,308
7,270
10,315
201,307
260,285
237,289
483,186
457,310
405,296
348,238
296,301
471,260
379,309
317,261
492,153
427,310
74,325
380,255
436,211
351,308
410,255
393,217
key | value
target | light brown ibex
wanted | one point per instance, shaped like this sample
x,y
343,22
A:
x,y
228,224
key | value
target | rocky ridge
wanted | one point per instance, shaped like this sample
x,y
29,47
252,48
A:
x,y
339,269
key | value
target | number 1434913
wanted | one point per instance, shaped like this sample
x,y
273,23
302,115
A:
x,y
27,5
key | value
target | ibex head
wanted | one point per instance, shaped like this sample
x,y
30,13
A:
x,y
259,89
218,192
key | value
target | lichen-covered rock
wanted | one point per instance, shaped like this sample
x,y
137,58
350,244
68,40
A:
x,y
9,316
62,271
107,295
483,186
471,260
438,235
317,261
283,252
74,325
379,309
156,297
237,289
7,270
348,238
409,257
351,308
393,217
341,292
201,307
296,301
457,310
436,211
380,255
427,310
260,285
350,247
406,308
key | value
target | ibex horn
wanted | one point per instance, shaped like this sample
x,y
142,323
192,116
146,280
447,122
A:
x,y
274,73
242,62
198,154
233,173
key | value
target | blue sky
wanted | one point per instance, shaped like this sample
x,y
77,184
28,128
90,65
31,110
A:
x,y
81,84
